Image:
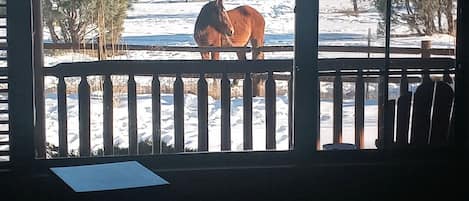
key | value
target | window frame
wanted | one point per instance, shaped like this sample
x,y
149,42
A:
x,y
22,85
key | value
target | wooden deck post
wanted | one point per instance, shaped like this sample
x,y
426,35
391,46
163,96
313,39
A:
x,y
384,83
462,76
40,130
306,80
21,85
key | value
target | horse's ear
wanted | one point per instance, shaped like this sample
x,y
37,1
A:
x,y
219,3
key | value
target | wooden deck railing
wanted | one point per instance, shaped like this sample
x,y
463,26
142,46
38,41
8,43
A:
x,y
359,71
336,71
157,70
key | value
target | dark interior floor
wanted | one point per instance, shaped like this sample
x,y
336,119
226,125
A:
x,y
424,180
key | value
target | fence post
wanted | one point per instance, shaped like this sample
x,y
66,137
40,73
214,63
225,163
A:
x,y
426,46
369,43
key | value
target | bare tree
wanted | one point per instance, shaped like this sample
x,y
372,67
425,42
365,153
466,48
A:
x,y
355,7
422,16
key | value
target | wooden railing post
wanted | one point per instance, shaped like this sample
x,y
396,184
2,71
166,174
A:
x,y
179,114
132,112
62,116
247,114
225,113
156,114
389,120
108,109
404,83
270,112
360,110
202,105
84,116
446,77
338,91
290,113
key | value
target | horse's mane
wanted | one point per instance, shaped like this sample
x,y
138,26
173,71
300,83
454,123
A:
x,y
204,19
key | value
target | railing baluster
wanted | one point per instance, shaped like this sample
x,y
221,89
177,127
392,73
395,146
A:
x,y
404,83
179,114
225,113
202,104
84,116
360,110
446,77
337,130
132,107
156,114
62,115
426,76
270,111
389,120
108,116
247,115
318,120
290,112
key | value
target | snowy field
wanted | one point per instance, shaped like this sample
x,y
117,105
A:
x,y
160,22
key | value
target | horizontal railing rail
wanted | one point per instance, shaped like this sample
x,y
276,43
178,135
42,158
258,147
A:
x,y
325,66
149,67
284,48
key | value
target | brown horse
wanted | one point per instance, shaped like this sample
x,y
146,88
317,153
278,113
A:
x,y
216,27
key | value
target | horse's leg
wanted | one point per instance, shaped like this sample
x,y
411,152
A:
x,y
215,55
257,42
257,82
241,57
205,55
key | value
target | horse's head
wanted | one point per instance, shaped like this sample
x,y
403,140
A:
x,y
215,15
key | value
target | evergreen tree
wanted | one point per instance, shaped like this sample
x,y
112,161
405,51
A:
x,y
71,21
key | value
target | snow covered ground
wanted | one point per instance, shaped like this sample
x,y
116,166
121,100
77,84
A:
x,y
160,22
